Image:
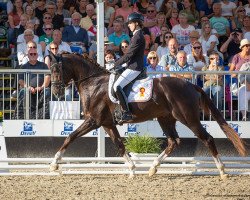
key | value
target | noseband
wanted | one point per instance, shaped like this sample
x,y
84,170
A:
x,y
59,83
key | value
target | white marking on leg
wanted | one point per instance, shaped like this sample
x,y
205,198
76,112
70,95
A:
x,y
128,161
58,156
219,165
159,159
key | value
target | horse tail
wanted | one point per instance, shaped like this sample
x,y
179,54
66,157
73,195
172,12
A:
x,y
207,104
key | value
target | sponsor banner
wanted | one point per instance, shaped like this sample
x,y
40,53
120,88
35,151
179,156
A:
x,y
27,128
62,128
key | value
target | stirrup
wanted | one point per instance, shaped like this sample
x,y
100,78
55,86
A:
x,y
126,116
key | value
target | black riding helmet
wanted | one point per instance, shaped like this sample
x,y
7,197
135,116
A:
x,y
136,17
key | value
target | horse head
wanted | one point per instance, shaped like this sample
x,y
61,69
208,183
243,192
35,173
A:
x,y
57,83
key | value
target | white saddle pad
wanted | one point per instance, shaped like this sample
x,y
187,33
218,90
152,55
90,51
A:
x,y
141,90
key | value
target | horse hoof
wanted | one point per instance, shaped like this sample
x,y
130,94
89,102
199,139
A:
x,y
53,167
131,176
224,176
152,171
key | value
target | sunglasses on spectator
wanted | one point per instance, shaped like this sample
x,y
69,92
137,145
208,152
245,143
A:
x,y
152,58
47,17
32,47
32,54
124,47
53,48
28,35
241,11
150,11
168,36
47,29
198,47
212,58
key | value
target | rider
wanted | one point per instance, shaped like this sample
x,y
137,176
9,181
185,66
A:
x,y
134,59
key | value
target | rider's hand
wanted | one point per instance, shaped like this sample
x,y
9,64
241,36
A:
x,y
110,65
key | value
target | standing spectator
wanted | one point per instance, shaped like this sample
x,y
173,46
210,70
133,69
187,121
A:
x,y
152,60
57,20
29,10
170,58
232,45
182,30
61,12
14,18
24,47
208,39
81,7
38,82
173,20
46,39
75,34
118,35
163,48
213,85
40,9
181,65
244,91
242,57
57,39
192,13
220,24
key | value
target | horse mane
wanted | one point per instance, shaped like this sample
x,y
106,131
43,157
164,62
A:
x,y
86,57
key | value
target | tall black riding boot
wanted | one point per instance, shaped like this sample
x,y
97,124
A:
x,y
126,116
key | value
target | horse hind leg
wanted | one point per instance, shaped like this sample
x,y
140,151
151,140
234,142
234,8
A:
x,y
87,126
208,140
168,127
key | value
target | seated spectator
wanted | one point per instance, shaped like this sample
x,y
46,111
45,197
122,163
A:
x,y
53,48
57,39
81,7
61,12
123,49
39,83
141,6
23,48
242,57
109,56
213,84
14,18
74,35
159,39
181,65
208,39
206,9
237,21
163,48
47,19
170,58
57,19
161,22
46,39
244,91
108,12
40,9
192,13
220,24
118,35
197,60
182,31
29,10
173,20
232,45
20,38
19,29
152,60
227,8
204,20
150,20
167,7
124,28
193,37
246,27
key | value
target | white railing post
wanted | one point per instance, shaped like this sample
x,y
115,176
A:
x,y
3,150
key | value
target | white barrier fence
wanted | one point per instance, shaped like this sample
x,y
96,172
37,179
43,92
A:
x,y
115,165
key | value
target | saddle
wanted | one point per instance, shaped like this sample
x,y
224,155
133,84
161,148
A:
x,y
138,90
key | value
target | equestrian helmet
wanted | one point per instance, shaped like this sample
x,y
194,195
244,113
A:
x,y
135,17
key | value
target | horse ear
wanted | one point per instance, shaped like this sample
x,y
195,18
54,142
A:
x,y
54,58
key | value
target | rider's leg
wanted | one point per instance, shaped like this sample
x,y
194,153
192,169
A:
x,y
125,78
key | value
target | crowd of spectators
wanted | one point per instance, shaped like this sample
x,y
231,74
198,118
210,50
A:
x,y
180,35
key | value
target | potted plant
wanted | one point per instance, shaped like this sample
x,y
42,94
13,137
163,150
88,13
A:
x,y
142,146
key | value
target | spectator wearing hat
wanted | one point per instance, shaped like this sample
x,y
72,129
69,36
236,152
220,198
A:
x,y
232,45
193,37
242,57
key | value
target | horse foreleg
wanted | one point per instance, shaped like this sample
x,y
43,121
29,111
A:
x,y
116,138
87,126
172,143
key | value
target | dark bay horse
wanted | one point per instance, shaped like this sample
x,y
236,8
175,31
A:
x,y
173,99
